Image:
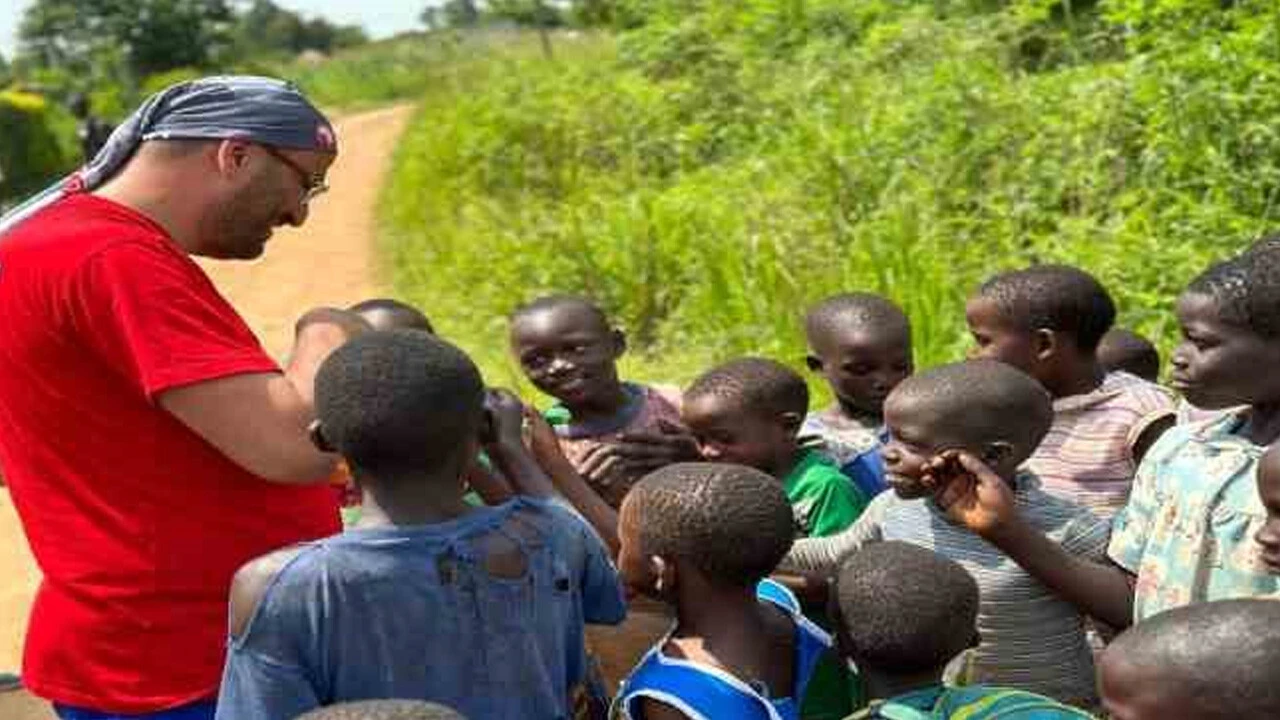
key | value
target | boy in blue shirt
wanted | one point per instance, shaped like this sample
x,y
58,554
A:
x,y
427,597
861,344
703,536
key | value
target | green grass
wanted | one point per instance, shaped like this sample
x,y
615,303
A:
x,y
710,175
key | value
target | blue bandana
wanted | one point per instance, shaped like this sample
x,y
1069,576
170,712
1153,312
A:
x,y
262,110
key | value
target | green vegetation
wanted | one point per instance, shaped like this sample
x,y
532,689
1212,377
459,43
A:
x,y
37,141
716,167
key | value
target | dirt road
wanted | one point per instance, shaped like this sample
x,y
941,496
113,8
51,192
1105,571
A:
x,y
328,262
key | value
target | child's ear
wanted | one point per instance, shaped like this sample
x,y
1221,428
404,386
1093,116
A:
x,y
791,422
316,431
813,362
1046,343
664,577
996,453
619,340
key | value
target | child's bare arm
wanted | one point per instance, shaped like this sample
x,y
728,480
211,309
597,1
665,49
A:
x,y
546,448
490,486
540,474
250,585
656,710
978,499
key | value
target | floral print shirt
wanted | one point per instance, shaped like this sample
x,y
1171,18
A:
x,y
1187,532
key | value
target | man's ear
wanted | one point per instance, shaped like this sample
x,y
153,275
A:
x,y
231,156
813,362
619,340
316,431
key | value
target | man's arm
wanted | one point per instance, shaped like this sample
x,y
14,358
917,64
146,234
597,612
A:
x,y
259,420
982,502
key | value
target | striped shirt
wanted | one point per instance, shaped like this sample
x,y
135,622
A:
x,y
1031,639
1087,456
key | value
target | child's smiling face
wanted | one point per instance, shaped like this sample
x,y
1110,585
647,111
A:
x,y
1220,364
728,433
569,353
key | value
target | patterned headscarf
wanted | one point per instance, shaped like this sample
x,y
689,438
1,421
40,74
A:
x,y
263,110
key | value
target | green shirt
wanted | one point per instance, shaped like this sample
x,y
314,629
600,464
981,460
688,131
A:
x,y
975,702
825,500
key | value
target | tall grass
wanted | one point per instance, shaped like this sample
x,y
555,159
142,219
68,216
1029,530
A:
x,y
711,174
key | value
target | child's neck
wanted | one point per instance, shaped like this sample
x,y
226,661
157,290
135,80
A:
x,y
786,462
728,628
423,501
860,415
602,407
1263,424
882,686
1086,377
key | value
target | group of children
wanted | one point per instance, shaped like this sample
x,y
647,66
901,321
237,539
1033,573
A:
x,y
967,541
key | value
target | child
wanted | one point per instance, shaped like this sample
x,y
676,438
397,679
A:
x,y
1188,533
390,314
1047,321
1123,350
612,431
1213,661
905,612
1268,536
486,486
426,597
1031,639
861,344
703,537
748,412
383,710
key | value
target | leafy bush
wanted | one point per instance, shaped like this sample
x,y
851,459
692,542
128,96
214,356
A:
x,y
36,144
715,170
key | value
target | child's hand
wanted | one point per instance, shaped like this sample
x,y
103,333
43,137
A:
x,y
643,452
970,492
504,414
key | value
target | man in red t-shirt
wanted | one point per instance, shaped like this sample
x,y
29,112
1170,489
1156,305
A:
x,y
150,444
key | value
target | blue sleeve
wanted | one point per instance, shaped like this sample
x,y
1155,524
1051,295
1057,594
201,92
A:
x,y
867,473
255,686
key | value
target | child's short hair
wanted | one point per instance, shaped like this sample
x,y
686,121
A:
x,y
1246,290
1121,349
398,402
550,302
861,310
1221,656
1056,297
905,609
981,401
384,710
757,385
731,522
1266,243
403,315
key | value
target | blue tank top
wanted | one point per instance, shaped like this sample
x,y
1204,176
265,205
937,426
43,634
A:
x,y
706,693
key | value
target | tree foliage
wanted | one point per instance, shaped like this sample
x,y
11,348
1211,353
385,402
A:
x,y
719,166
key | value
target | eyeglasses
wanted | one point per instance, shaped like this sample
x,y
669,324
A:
x,y
313,183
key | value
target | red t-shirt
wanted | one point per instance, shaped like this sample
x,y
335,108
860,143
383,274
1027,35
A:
x,y
136,521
